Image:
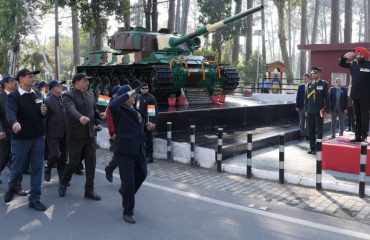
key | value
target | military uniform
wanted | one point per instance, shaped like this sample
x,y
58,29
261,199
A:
x,y
316,102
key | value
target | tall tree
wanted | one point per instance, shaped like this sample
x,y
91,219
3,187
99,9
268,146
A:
x,y
178,16
235,50
302,58
184,16
147,8
75,34
263,23
154,16
123,13
334,24
280,5
248,33
171,15
315,22
348,21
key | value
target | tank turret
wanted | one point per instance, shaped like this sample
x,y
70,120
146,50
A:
x,y
165,61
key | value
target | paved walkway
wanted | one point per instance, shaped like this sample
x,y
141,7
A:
x,y
337,204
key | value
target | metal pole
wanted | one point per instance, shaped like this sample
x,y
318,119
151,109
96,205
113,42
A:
x,y
192,145
249,154
219,149
281,158
169,140
318,164
363,157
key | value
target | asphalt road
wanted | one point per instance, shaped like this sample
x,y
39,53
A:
x,y
164,210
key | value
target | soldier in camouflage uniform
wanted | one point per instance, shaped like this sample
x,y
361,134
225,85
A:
x,y
316,104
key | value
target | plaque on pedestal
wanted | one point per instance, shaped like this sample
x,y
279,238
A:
x,y
197,95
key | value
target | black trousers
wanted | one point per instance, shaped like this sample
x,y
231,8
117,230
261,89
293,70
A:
x,y
361,108
351,119
78,147
57,154
4,152
315,127
132,171
149,143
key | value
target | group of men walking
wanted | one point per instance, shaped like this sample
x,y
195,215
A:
x,y
69,122
315,99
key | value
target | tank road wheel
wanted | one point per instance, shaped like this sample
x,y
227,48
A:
x,y
98,86
115,82
106,86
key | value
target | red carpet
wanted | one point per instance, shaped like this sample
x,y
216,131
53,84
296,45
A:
x,y
341,155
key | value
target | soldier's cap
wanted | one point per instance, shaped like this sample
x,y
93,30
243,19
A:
x,y
55,83
114,89
41,84
79,76
363,51
315,70
24,72
123,89
6,79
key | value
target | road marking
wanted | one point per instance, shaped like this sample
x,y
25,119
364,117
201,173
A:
x,y
252,210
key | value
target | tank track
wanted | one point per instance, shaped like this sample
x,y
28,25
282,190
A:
x,y
161,80
231,79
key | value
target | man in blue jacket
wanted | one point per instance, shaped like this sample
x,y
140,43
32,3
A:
x,y
299,106
338,107
129,147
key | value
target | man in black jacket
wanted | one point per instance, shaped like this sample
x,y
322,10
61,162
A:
x,y
130,147
144,100
299,106
55,130
338,107
25,111
82,114
360,91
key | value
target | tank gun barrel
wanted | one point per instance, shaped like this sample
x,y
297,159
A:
x,y
212,27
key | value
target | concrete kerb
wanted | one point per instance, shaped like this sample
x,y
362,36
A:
x,y
206,159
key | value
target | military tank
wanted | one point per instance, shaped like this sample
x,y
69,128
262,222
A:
x,y
165,61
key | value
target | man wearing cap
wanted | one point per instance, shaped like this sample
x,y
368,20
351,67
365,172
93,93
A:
x,y
316,104
338,106
82,115
25,112
143,100
360,91
55,127
130,138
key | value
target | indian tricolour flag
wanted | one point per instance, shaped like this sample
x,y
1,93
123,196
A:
x,y
103,100
151,110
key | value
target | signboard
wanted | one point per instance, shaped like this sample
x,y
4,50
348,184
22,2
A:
x,y
197,95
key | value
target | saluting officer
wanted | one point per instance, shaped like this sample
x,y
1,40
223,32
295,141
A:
x,y
316,104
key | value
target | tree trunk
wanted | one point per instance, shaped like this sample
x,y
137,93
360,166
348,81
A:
x,y
302,58
348,21
315,22
147,8
171,16
289,31
249,33
125,5
178,16
334,25
76,36
263,23
96,40
184,16
235,52
154,16
282,39
366,20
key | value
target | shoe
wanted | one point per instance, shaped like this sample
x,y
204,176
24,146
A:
x,y
92,196
108,174
357,139
341,134
8,196
312,152
129,218
332,137
150,160
47,175
62,189
79,172
20,192
37,206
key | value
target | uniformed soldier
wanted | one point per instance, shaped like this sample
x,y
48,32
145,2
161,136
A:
x,y
316,105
